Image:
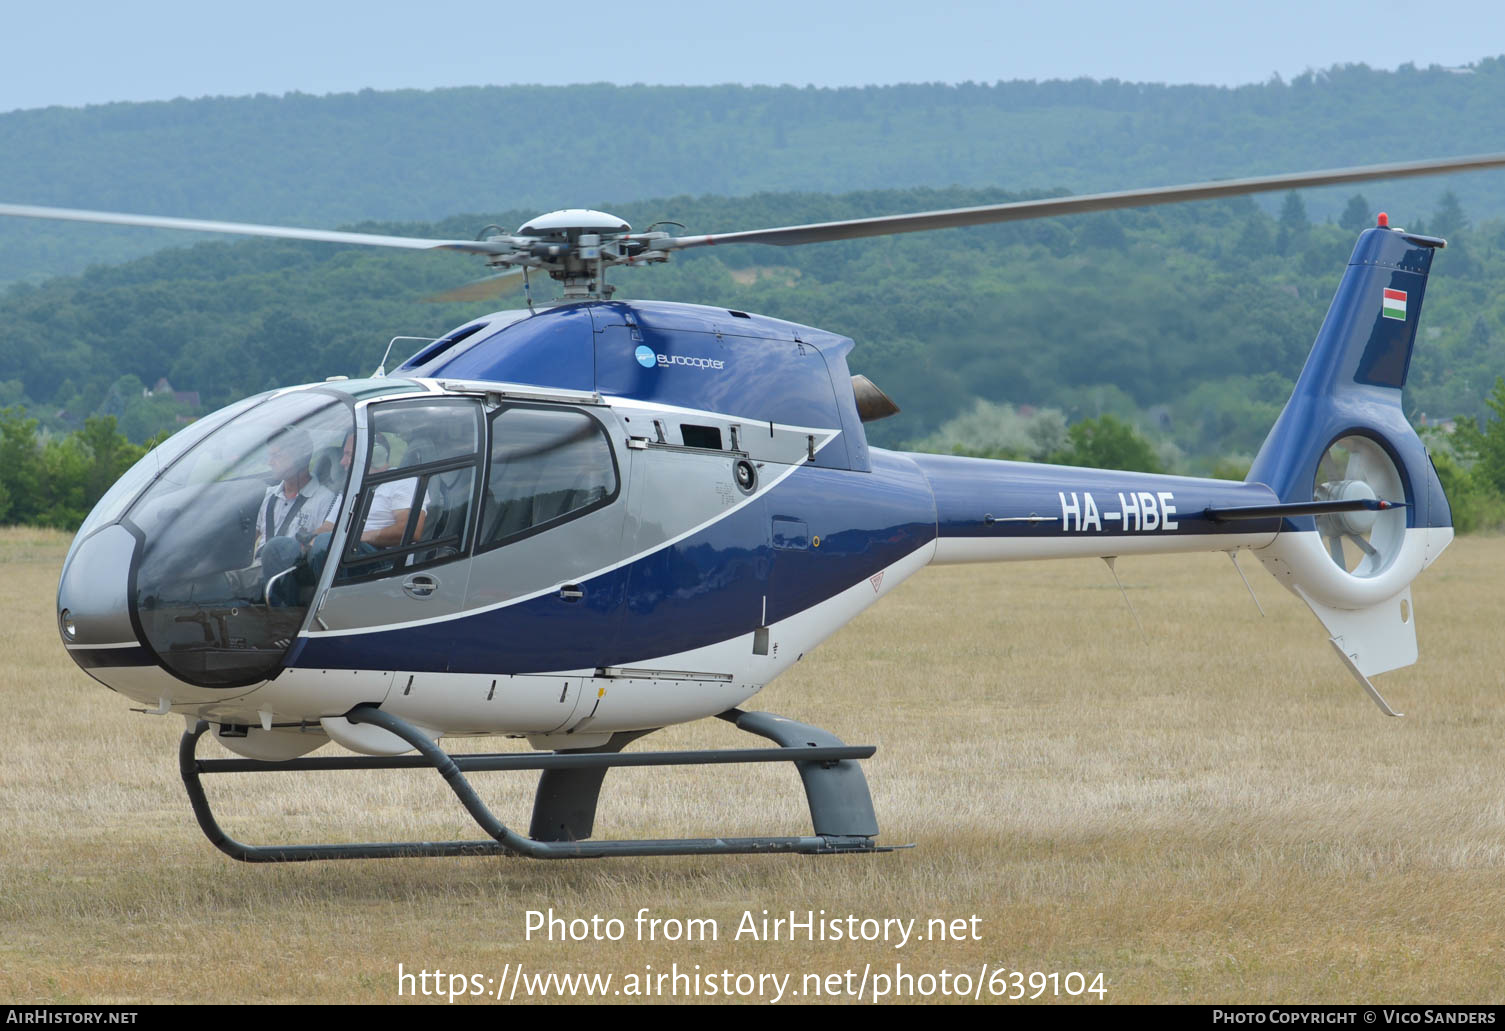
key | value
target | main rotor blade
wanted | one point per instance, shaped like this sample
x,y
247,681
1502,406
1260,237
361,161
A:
x,y
820,232
250,229
487,289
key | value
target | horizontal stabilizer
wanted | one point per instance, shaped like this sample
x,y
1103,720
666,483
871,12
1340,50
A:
x,y
1301,508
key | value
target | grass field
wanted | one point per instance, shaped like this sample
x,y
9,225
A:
x,y
1216,813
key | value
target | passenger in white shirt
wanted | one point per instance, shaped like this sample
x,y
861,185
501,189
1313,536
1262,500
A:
x,y
391,505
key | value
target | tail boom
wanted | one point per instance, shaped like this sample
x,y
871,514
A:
x,y
998,511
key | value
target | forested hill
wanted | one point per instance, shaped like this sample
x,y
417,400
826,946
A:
x,y
411,155
1189,320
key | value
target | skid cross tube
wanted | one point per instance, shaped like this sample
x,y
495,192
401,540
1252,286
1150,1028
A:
x,y
840,806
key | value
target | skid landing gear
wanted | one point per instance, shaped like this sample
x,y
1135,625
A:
x,y
564,808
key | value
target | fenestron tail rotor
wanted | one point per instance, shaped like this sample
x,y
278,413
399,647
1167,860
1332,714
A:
x,y
1362,543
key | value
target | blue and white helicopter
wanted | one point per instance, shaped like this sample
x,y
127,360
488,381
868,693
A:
x,y
582,521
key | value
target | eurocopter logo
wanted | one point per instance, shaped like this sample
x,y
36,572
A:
x,y
648,359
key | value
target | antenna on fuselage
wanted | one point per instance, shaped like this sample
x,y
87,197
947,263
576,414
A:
x,y
381,370
1110,560
1233,554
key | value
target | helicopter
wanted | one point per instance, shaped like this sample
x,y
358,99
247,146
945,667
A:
x,y
582,521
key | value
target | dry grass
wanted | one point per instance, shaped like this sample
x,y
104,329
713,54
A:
x,y
1218,814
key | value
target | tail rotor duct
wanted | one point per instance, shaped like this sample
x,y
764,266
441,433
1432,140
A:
x,y
1363,543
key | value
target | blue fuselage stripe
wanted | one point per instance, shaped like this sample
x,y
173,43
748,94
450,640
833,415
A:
x,y
706,588
814,535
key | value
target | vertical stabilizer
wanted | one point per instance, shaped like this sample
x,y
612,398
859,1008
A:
x,y
1343,437
1352,379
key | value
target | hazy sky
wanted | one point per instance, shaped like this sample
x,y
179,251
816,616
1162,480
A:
x,y
92,52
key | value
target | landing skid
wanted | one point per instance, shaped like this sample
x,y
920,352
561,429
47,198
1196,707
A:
x,y
564,807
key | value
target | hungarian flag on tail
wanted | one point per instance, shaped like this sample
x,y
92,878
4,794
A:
x,y
1394,305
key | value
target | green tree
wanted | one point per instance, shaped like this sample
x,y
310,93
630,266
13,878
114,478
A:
x,y
990,430
125,390
20,467
1103,230
1485,445
1478,334
55,480
110,455
1449,219
1231,469
1108,443
1356,217
12,392
1475,504
63,499
1293,224
148,417
1256,241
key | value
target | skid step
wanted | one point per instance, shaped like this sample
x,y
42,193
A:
x,y
841,807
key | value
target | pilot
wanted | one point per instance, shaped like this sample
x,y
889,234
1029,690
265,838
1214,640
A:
x,y
290,511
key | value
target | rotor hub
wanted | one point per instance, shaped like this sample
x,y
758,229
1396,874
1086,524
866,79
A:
x,y
569,223
1356,490
576,246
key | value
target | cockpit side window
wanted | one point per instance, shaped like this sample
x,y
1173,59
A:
x,y
548,465
419,489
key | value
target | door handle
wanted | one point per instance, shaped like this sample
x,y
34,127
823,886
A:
x,y
420,585
571,592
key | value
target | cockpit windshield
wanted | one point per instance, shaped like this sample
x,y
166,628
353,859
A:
x,y
234,535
